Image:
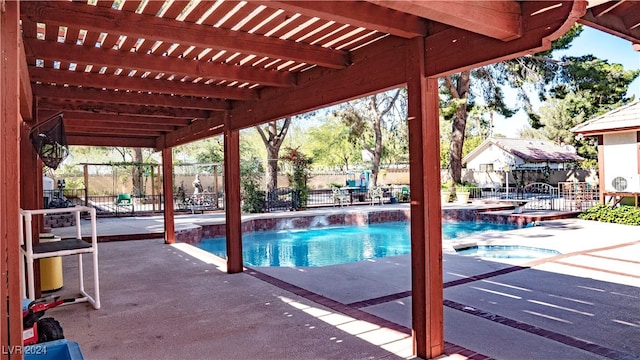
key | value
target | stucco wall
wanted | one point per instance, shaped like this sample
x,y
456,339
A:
x,y
621,159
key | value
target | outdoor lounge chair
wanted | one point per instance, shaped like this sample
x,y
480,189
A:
x,y
375,193
339,196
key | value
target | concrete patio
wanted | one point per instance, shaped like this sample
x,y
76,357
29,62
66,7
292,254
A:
x,y
175,301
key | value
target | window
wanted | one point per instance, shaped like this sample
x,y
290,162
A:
x,y
486,167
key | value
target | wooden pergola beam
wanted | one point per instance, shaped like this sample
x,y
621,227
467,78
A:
x,y
77,125
98,57
100,19
545,23
90,132
501,20
198,130
128,97
123,82
614,25
324,87
632,19
605,8
88,140
26,96
122,109
118,120
358,13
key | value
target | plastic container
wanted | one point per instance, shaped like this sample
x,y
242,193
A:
x,y
53,350
50,268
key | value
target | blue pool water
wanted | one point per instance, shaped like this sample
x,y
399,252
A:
x,y
336,245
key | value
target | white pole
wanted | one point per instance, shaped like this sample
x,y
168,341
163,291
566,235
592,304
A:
x,y
507,182
506,175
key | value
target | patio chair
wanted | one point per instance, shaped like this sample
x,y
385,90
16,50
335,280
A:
x,y
404,194
339,197
124,200
375,193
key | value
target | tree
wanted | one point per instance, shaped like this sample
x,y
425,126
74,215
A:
x,y
457,86
299,176
136,159
273,136
137,172
365,118
585,87
210,150
486,83
330,146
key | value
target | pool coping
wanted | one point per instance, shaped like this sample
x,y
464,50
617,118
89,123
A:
x,y
194,233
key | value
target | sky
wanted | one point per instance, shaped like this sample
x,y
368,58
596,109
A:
x,y
590,41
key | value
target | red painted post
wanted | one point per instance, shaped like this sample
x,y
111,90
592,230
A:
x,y
167,190
10,121
426,216
232,200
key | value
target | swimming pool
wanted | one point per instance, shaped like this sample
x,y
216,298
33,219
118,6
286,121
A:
x,y
337,244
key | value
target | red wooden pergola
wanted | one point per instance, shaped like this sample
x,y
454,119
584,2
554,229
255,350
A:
x,y
160,74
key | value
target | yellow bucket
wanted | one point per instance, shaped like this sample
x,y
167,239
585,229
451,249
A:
x,y
50,268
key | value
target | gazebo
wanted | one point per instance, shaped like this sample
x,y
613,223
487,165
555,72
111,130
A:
x,y
160,74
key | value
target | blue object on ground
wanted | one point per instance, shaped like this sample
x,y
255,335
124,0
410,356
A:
x,y
53,350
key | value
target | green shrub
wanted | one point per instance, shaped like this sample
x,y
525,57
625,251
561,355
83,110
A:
x,y
252,196
299,176
627,215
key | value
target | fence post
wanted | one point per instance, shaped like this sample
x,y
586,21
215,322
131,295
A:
x,y
86,184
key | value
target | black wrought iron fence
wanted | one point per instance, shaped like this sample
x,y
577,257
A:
x,y
567,196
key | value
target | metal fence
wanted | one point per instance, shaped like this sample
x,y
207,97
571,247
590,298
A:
x,y
145,204
567,196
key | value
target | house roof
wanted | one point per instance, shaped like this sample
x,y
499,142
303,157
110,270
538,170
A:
x,y
530,150
624,118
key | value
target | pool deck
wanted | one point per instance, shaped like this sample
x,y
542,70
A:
x,y
175,301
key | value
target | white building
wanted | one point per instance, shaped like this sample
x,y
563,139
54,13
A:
x,y
618,134
495,154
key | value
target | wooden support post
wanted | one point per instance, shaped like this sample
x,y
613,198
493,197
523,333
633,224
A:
x,y
31,194
426,217
232,200
10,69
167,190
